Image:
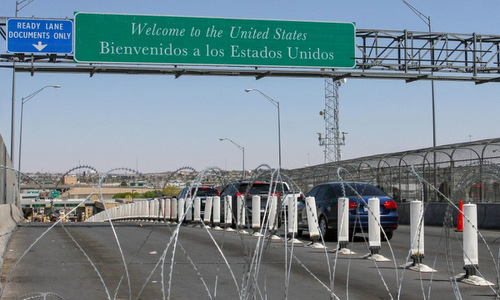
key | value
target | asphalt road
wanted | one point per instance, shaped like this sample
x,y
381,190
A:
x,y
83,261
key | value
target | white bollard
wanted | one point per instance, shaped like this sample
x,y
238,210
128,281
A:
x,y
273,207
161,214
374,225
197,211
228,212
374,229
240,213
154,210
180,210
417,239
168,209
312,221
216,206
145,209
207,214
256,215
189,209
471,257
175,208
417,230
343,222
292,218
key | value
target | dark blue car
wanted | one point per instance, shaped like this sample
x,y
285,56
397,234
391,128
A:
x,y
358,193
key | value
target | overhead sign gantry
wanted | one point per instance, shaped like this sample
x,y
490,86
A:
x,y
378,54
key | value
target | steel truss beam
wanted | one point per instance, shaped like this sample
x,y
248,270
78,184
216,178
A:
x,y
380,54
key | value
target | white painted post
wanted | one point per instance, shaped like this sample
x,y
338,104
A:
x,y
168,209
155,208
161,210
292,215
145,209
175,207
312,219
273,207
180,210
240,212
343,222
189,209
197,210
256,214
228,212
216,205
208,211
417,231
374,225
470,242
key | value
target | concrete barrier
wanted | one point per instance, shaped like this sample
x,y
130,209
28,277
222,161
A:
x,y
10,215
488,214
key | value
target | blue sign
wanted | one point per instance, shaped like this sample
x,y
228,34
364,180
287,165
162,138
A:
x,y
39,36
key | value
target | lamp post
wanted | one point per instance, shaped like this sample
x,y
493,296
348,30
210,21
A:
x,y
242,149
277,104
427,21
24,100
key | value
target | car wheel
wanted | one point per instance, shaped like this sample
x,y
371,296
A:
x,y
388,235
323,227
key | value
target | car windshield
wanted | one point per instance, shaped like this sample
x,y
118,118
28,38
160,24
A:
x,y
362,190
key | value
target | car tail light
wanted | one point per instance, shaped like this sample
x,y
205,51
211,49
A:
x,y
353,205
239,194
391,204
276,194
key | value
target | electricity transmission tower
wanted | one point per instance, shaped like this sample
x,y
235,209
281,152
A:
x,y
331,139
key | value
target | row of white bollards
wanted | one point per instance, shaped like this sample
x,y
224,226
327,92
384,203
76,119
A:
x,y
189,210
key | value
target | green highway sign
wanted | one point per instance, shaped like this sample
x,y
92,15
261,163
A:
x,y
120,38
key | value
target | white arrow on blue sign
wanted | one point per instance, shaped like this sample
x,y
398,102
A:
x,y
39,36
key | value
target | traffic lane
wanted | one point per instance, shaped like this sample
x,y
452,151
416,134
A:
x,y
354,277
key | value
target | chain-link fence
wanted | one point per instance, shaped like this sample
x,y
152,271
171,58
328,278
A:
x,y
468,171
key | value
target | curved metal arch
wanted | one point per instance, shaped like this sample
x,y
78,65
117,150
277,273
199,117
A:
x,y
74,169
177,171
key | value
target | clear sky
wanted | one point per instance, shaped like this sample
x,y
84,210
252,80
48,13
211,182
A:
x,y
159,123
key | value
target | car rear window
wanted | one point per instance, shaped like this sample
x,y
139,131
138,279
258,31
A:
x,y
207,192
353,190
255,189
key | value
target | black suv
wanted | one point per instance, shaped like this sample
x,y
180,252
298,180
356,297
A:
x,y
252,188
201,191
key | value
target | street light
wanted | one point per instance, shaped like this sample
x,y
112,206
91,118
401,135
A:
x,y
277,104
242,149
427,21
24,100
